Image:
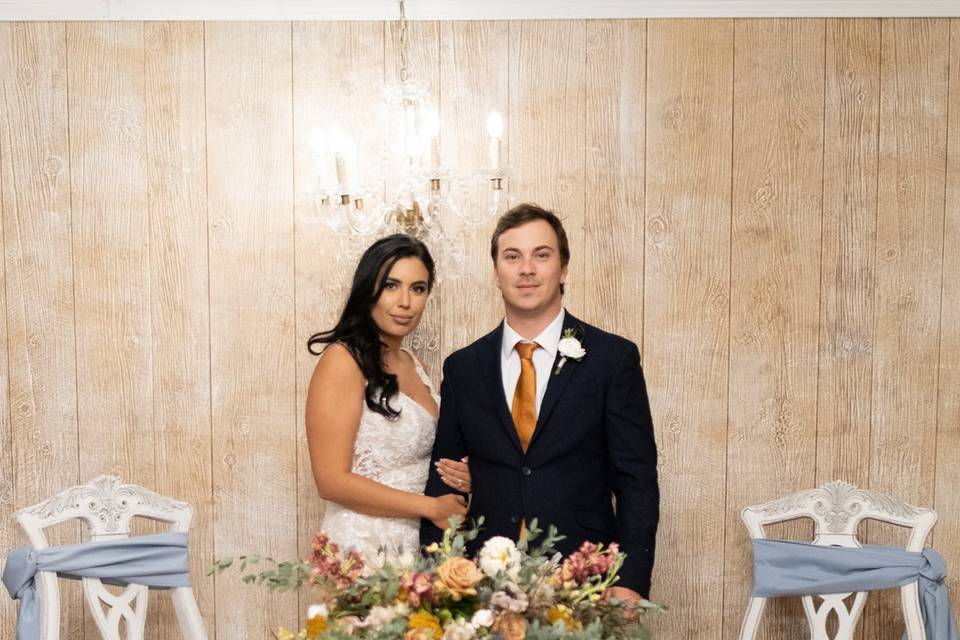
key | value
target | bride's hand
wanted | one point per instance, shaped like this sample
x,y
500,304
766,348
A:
x,y
447,506
455,474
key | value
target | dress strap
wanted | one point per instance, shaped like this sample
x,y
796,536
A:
x,y
421,371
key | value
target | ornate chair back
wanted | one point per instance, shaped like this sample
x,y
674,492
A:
x,y
107,506
836,509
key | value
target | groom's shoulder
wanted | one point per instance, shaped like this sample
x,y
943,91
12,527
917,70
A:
x,y
609,343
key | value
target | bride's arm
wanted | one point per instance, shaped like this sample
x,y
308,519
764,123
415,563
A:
x,y
334,408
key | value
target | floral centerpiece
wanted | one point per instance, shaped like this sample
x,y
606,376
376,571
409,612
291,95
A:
x,y
514,591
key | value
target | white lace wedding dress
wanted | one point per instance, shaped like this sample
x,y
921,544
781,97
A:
x,y
395,453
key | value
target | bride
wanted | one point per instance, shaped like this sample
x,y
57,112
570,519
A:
x,y
372,411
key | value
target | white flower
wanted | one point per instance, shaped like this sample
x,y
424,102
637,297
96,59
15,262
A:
x,y
317,610
404,561
500,554
510,598
542,596
459,630
482,618
570,347
380,616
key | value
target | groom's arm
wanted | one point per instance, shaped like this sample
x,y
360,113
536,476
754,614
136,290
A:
x,y
633,455
448,443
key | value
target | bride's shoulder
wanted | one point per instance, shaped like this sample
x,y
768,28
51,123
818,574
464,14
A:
x,y
337,365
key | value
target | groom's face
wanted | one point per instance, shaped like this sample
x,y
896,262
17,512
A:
x,y
527,270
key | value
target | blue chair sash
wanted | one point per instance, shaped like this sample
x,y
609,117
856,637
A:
x,y
156,561
788,568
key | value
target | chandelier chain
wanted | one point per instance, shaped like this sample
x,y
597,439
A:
x,y
403,42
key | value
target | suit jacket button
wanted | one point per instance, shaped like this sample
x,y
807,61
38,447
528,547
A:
x,y
527,471
514,520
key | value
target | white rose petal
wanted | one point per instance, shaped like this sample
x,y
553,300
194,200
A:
x,y
500,554
317,610
459,631
571,348
482,618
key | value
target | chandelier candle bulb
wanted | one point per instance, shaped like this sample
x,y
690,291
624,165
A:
x,y
341,165
495,129
431,135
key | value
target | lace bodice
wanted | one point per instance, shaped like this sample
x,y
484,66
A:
x,y
395,453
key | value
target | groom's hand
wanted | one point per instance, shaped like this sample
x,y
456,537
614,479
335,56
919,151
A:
x,y
629,596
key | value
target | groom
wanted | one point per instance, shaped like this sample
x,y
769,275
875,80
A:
x,y
553,429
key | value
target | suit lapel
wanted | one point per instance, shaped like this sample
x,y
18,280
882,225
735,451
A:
x,y
489,356
558,381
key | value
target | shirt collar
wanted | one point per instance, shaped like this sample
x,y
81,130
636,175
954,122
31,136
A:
x,y
548,339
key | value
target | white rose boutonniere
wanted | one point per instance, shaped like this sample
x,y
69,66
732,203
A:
x,y
569,348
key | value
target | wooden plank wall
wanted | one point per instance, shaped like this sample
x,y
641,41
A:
x,y
769,208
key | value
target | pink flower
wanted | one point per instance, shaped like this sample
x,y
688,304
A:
x,y
419,588
587,562
328,563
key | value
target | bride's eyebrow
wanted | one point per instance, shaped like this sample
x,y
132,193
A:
x,y
392,280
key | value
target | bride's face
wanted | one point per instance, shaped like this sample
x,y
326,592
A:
x,y
398,310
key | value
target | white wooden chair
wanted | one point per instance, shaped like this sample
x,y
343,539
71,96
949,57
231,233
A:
x,y
837,508
107,506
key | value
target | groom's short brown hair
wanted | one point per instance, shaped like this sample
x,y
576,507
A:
x,y
528,212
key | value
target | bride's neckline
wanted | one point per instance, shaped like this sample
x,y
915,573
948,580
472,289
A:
x,y
422,375
420,406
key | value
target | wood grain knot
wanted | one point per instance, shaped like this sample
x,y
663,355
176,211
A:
x,y
25,76
53,167
673,115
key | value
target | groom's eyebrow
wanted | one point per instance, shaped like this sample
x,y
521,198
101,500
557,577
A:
x,y
540,248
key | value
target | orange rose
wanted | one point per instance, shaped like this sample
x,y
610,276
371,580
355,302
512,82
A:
x,y
512,626
458,577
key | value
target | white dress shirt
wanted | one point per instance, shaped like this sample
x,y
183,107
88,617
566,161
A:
x,y
543,358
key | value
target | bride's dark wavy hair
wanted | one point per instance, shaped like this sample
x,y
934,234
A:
x,y
356,329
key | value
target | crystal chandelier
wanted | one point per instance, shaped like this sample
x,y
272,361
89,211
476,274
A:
x,y
409,189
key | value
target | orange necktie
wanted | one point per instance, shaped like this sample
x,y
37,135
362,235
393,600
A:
x,y
524,407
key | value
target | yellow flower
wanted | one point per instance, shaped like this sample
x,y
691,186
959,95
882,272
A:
x,y
564,613
316,626
424,624
283,634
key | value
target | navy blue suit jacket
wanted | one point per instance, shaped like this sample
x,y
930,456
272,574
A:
x,y
593,440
